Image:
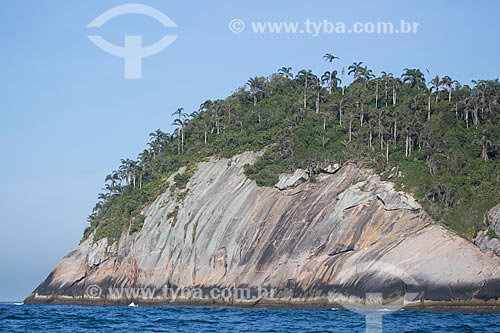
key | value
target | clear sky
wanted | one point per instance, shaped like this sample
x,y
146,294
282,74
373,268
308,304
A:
x,y
67,114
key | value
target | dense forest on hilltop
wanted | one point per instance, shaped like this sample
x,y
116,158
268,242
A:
x,y
438,139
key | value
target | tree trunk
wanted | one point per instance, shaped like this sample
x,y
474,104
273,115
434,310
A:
x,y
484,152
429,108
475,117
386,94
343,82
387,151
182,141
305,94
330,82
380,138
362,115
395,131
318,101
350,130
407,144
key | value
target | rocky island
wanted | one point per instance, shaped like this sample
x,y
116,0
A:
x,y
307,190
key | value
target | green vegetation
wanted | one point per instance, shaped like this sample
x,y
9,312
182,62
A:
x,y
444,137
195,228
186,225
173,215
181,179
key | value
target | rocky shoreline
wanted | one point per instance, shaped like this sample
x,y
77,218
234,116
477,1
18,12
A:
x,y
449,306
349,232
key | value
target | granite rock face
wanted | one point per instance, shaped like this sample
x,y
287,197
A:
x,y
487,243
287,181
493,219
483,239
347,233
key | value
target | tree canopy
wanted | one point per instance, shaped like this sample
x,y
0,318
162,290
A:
x,y
442,138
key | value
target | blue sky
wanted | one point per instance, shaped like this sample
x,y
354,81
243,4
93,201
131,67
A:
x,y
67,115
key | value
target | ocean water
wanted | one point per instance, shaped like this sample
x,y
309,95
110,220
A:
x,y
67,318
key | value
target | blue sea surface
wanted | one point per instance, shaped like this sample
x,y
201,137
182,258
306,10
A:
x,y
68,318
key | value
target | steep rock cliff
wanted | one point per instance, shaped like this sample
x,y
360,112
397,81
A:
x,y
349,232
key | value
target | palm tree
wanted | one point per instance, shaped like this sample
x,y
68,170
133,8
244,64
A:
x,y
360,109
331,79
413,77
480,91
449,83
330,58
316,86
114,178
178,131
386,77
255,84
356,69
435,85
140,172
412,124
128,170
206,106
103,197
305,77
325,78
343,82
380,125
428,95
286,72
157,140
144,164
349,116
366,75
377,94
180,122
396,84
341,110
396,119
